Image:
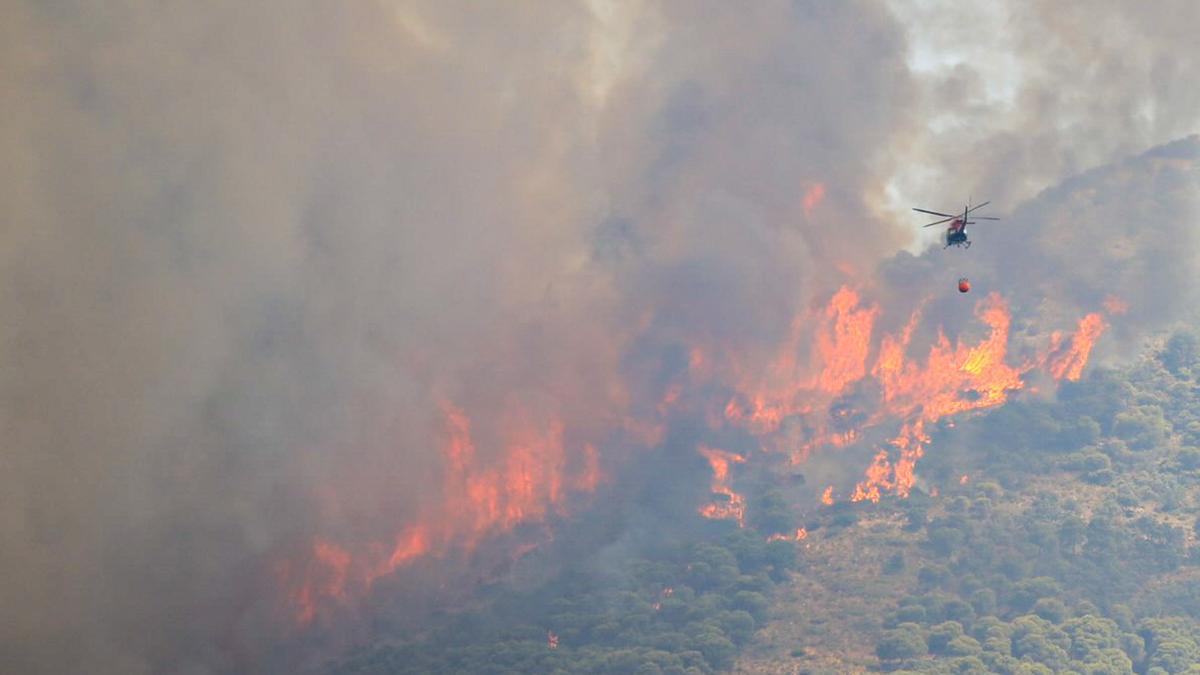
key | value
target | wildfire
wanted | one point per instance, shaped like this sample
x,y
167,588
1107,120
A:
x,y
800,534
878,478
841,345
323,577
666,593
1069,364
527,483
842,348
409,544
954,377
833,356
734,508
964,479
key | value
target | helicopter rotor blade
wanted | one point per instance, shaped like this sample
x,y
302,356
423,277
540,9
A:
x,y
936,213
939,222
978,206
986,217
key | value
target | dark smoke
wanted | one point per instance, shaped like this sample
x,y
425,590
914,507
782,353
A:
x,y
249,249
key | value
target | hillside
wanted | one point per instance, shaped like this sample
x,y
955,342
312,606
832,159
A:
x,y
1047,536
1067,544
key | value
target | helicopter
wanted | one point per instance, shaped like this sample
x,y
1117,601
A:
x,y
956,233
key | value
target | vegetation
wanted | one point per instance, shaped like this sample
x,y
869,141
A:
x,y
685,611
1063,540
1068,547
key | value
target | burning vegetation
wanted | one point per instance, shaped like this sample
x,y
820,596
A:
x,y
953,378
924,584
734,505
530,484
809,396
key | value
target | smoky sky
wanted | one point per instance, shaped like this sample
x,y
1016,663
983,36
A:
x,y
248,250
1019,95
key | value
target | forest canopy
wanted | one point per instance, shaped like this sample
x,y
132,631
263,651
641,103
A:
x,y
1071,549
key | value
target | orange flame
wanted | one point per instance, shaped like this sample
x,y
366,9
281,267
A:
x,y
829,354
666,593
1070,363
526,484
942,386
953,378
735,506
964,479
878,478
409,544
801,533
844,346
324,577
838,359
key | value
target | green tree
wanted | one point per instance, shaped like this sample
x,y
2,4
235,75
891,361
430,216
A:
x,y
717,649
1050,609
1142,427
1071,533
771,513
1181,353
903,642
911,614
933,575
984,601
1028,591
1188,458
756,604
945,539
963,645
941,635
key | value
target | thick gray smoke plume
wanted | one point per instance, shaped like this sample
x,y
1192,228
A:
x,y
250,249
1020,95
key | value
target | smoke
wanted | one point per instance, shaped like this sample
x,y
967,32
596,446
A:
x,y
1118,239
253,252
1018,96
